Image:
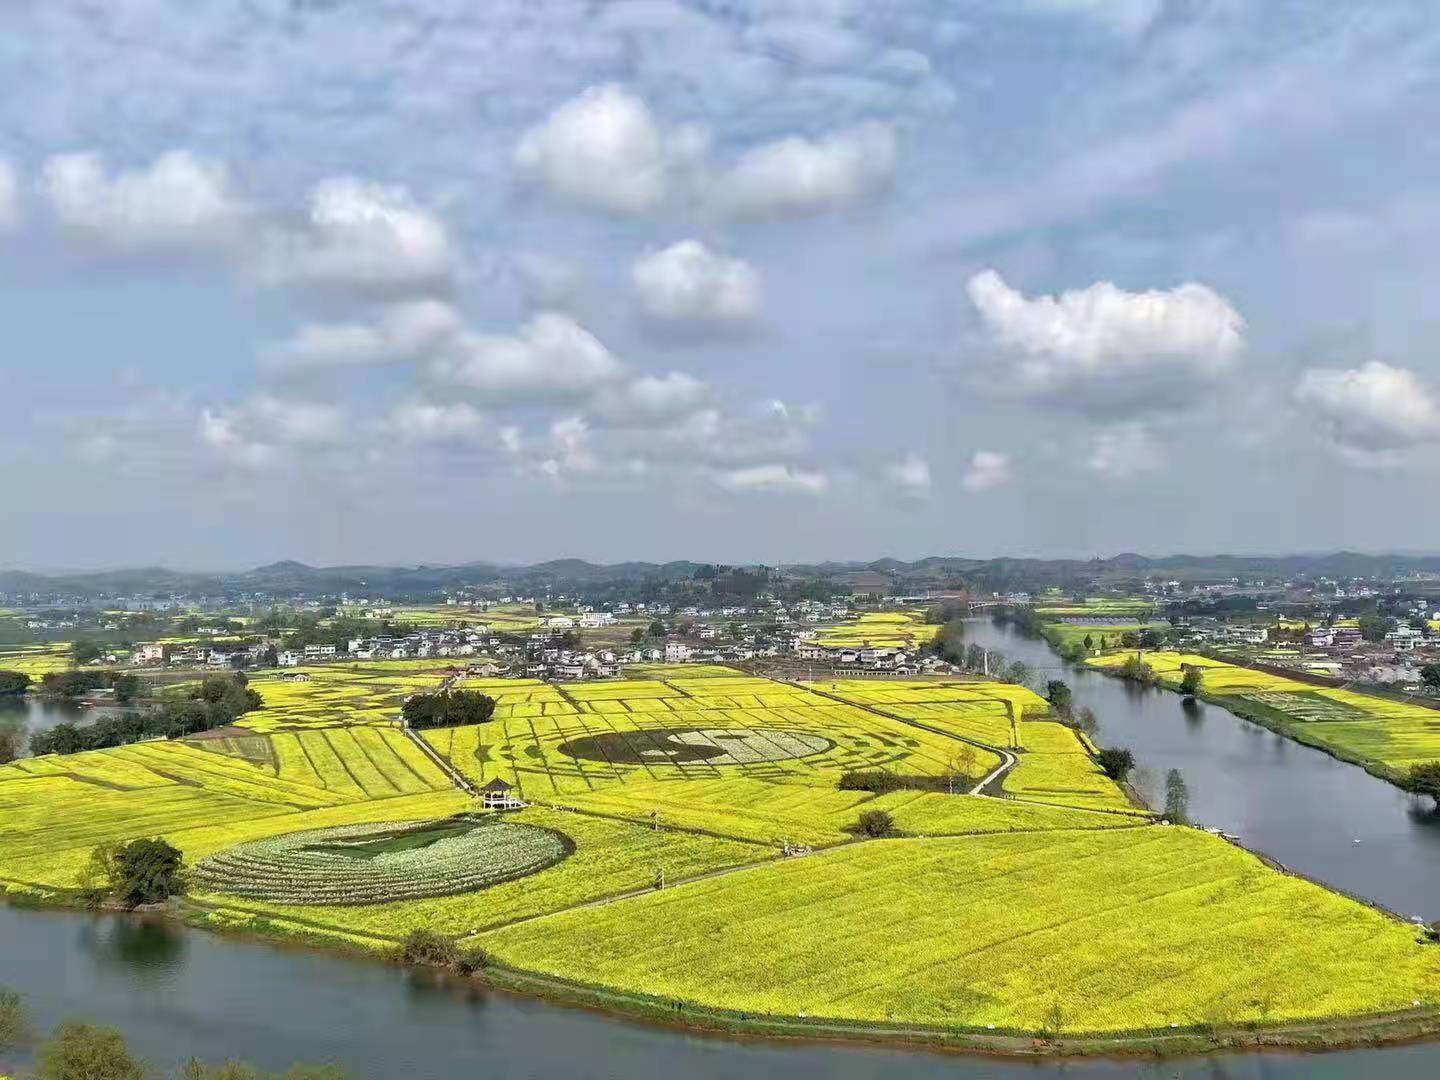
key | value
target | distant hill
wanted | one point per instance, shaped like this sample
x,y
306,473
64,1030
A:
x,y
290,578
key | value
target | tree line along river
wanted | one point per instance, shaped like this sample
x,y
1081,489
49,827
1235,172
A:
x,y
177,993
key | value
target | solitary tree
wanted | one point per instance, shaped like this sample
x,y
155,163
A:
x,y
1057,692
144,871
876,823
1191,680
1089,643
1430,675
13,682
14,1026
1017,673
1117,762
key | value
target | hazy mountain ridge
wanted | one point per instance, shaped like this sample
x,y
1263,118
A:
x,y
290,577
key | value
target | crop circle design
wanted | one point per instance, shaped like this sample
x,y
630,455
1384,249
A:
x,y
714,746
383,861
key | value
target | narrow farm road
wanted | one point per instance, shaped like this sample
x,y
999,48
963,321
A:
x,y
1008,760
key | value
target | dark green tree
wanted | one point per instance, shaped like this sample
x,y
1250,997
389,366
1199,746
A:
x,y
876,823
1191,681
13,683
144,871
1424,779
85,652
1057,692
1430,675
1117,762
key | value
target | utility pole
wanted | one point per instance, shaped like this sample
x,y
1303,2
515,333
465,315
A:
x,y
985,664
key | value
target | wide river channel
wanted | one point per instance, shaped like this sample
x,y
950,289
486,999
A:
x,y
175,992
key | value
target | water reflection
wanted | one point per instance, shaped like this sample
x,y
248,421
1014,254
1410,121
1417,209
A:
x,y
134,943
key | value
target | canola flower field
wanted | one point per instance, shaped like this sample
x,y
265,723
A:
x,y
1385,736
879,630
1053,905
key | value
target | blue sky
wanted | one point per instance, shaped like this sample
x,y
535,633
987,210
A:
x,y
735,280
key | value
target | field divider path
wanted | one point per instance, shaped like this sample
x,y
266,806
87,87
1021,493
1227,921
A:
x,y
1008,760
456,777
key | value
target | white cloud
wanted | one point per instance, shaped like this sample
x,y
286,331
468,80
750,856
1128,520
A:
x,y
687,282
427,422
796,175
770,431
565,453
774,479
405,331
254,433
1103,331
221,434
180,201
360,235
9,196
910,476
550,354
650,399
1124,451
988,469
605,149
1373,412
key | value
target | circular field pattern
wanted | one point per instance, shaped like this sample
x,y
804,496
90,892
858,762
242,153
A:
x,y
375,863
714,746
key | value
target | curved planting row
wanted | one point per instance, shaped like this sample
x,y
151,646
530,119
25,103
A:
x,y
375,863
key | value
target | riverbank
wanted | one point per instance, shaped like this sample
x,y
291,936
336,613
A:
x,y
1342,710
1339,1034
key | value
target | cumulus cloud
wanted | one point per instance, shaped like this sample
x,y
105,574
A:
x,y
688,283
427,422
254,433
651,399
910,476
179,201
988,469
404,331
1103,333
550,354
1124,451
774,479
768,432
9,196
361,235
605,149
795,176
1375,413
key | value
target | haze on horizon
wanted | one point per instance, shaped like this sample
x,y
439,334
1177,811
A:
x,y
736,280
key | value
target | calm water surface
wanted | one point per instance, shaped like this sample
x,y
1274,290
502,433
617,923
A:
x,y
177,993
1329,820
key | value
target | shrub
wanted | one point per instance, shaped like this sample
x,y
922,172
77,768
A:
x,y
877,781
876,823
1424,779
472,960
426,948
82,1050
1190,682
14,1027
1117,762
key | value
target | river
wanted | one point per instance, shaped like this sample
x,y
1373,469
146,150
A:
x,y
177,993
1331,821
